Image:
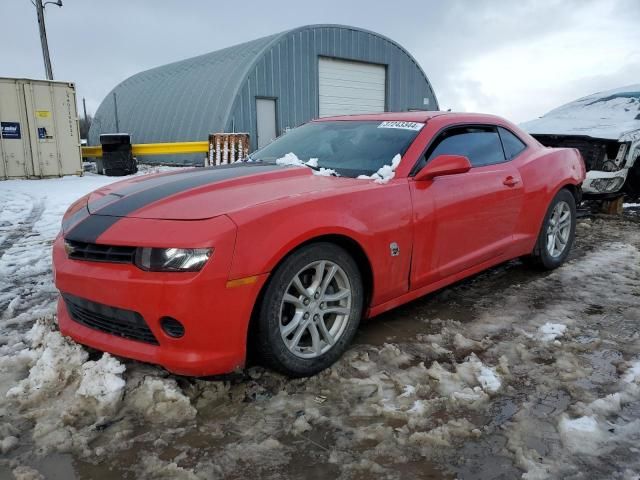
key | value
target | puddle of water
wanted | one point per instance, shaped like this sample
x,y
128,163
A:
x,y
604,371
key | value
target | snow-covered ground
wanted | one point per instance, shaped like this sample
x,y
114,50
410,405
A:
x,y
511,374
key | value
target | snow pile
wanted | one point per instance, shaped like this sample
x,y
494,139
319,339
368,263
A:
x,y
442,436
26,473
550,331
102,383
58,360
472,380
393,355
157,469
384,173
160,400
632,374
488,378
8,443
70,398
610,114
313,162
607,405
584,435
292,159
64,394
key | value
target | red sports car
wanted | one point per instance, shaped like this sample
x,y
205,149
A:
x,y
339,219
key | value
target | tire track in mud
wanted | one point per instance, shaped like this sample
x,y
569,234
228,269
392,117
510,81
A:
x,y
20,235
24,229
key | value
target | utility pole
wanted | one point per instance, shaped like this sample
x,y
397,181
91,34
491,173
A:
x,y
115,111
84,107
43,36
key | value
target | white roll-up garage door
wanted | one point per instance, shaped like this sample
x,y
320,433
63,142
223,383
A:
x,y
347,88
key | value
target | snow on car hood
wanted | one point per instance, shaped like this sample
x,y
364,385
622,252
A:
x,y
201,193
614,114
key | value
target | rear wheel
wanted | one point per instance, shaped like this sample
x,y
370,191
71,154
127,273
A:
x,y
310,310
557,233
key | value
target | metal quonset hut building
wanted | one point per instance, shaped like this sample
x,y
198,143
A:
x,y
266,86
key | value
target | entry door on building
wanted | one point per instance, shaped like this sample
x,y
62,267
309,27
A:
x,y
266,118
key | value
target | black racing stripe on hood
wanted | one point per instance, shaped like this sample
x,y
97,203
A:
x,y
91,228
137,196
150,182
135,201
74,219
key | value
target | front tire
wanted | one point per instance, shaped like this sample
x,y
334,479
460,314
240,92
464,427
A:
x,y
556,234
310,310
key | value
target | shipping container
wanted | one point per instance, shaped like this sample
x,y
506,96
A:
x,y
40,132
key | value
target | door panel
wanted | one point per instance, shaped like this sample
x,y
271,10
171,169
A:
x,y
44,134
15,151
463,220
470,219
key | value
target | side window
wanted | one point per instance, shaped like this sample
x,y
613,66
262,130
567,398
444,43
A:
x,y
481,145
512,144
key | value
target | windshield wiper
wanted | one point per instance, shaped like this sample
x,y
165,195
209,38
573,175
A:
x,y
313,167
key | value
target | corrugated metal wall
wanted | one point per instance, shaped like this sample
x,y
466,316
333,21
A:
x,y
288,71
187,100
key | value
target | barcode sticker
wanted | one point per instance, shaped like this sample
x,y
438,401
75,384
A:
x,y
403,125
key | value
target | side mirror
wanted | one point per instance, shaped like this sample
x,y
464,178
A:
x,y
443,165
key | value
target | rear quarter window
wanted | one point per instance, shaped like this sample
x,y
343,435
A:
x,y
513,146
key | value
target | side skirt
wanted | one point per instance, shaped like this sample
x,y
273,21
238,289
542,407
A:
x,y
414,294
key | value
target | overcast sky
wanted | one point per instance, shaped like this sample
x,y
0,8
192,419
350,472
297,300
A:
x,y
516,58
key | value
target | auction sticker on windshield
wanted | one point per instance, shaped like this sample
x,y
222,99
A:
x,y
403,125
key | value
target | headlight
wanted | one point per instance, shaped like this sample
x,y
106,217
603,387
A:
x,y
172,259
607,184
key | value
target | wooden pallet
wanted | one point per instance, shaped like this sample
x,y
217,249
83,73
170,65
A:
x,y
225,148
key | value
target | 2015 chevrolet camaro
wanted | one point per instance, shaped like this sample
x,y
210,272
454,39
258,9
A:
x,y
191,269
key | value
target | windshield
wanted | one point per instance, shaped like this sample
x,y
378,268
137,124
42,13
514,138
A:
x,y
351,148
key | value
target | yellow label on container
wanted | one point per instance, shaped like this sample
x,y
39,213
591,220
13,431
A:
x,y
43,113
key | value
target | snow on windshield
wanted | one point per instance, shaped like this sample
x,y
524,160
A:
x,y
384,173
292,159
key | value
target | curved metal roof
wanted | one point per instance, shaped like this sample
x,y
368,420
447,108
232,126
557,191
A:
x,y
187,100
179,93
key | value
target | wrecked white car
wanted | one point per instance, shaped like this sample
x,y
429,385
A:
x,y
605,127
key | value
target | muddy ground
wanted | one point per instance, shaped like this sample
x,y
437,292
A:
x,y
513,373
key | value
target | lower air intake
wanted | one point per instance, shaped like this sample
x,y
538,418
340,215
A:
x,y
116,321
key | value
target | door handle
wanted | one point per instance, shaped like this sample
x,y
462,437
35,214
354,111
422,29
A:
x,y
510,181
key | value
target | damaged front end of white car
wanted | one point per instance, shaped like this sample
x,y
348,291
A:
x,y
605,128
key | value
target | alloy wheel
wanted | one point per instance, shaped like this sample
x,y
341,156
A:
x,y
559,229
315,309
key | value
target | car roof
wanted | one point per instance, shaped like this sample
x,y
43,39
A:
x,y
419,116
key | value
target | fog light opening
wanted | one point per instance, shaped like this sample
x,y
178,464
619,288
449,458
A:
x,y
172,327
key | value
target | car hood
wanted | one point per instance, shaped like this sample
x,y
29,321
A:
x,y
613,115
200,193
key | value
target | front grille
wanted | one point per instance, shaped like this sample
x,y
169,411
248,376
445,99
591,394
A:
x,y
116,321
99,253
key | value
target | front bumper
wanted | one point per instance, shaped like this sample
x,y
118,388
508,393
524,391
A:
x,y
215,317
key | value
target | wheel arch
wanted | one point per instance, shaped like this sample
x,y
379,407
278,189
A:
x,y
574,189
352,246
